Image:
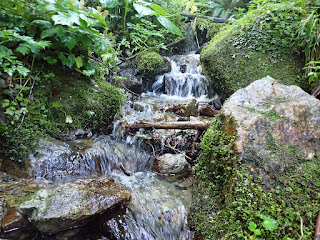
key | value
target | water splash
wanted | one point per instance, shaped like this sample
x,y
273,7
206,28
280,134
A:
x,y
185,80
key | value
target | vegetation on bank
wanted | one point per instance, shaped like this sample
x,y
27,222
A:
x,y
233,199
274,38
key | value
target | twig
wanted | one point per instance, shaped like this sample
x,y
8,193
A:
x,y
125,171
316,92
177,150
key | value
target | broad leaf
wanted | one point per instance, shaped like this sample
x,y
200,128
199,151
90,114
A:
x,y
70,41
50,60
159,10
78,60
66,61
56,105
67,19
142,10
169,25
109,3
88,72
252,226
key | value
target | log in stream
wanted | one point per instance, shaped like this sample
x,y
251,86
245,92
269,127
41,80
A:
x,y
171,125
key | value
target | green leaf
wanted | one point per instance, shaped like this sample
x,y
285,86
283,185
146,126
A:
x,y
109,3
88,72
3,128
66,61
56,105
67,19
158,9
51,31
23,48
142,10
169,25
252,226
100,18
78,60
257,232
50,60
70,41
268,223
9,111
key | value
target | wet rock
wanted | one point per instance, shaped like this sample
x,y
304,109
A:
x,y
77,134
185,109
130,80
208,111
273,123
171,164
68,205
13,220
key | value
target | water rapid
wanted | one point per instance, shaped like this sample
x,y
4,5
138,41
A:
x,y
159,205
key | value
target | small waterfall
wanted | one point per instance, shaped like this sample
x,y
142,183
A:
x,y
184,80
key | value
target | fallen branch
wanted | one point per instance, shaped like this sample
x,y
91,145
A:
x,y
171,125
178,151
217,20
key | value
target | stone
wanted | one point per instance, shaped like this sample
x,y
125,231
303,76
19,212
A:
x,y
171,164
208,111
185,109
269,119
13,220
68,205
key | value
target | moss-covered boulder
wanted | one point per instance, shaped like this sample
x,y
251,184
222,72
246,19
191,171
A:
x,y
60,103
258,174
149,62
232,64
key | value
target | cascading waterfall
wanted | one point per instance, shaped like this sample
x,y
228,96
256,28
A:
x,y
185,79
159,206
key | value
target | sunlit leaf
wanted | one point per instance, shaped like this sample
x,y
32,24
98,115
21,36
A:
x,y
109,3
169,25
143,10
158,9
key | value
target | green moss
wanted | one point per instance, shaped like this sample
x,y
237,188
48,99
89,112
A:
x,y
229,193
149,62
231,65
90,104
207,27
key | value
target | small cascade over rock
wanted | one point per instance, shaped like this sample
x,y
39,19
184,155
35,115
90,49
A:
x,y
185,79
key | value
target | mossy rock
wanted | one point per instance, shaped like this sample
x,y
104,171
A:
x,y
61,103
149,62
248,175
231,66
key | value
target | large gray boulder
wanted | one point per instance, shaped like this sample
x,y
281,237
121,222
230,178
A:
x,y
270,119
52,210
260,162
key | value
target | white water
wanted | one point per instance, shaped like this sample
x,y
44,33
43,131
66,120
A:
x,y
159,206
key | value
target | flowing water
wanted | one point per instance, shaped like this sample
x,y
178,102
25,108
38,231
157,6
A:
x,y
159,205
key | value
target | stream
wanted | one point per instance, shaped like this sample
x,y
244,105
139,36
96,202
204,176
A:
x,y
159,204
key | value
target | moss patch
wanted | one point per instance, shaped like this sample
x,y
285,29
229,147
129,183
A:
x,y
230,64
149,62
229,193
86,103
